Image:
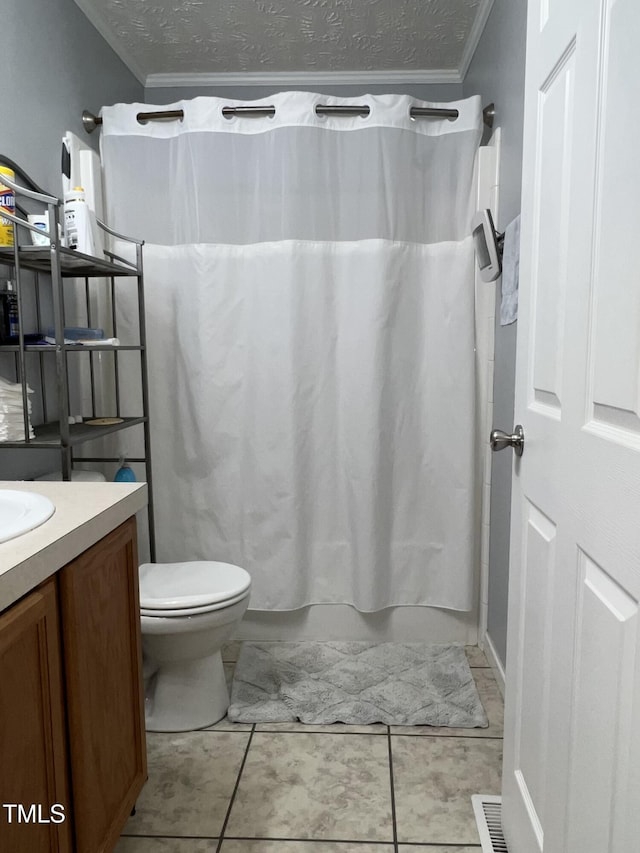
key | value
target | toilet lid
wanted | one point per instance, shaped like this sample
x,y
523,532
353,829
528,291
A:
x,y
178,586
193,611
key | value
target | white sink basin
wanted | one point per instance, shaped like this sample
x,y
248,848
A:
x,y
20,512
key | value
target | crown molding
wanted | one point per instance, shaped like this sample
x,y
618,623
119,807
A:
x,y
303,78
291,78
471,44
129,59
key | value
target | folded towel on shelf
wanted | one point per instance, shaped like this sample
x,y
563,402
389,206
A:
x,y
112,342
13,408
15,434
9,387
12,412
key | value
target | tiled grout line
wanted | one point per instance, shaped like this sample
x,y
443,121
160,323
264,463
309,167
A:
x,y
173,837
307,840
451,737
455,845
310,731
471,665
350,734
438,844
235,790
393,793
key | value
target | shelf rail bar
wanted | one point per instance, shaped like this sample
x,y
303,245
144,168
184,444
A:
x,y
43,392
21,361
82,459
87,296
142,331
118,236
116,363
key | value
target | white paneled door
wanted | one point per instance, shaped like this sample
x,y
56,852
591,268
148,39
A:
x,y
572,749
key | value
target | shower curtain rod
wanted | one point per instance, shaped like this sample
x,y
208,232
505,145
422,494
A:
x,y
91,121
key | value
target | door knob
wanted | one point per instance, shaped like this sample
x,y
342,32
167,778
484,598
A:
x,y
499,440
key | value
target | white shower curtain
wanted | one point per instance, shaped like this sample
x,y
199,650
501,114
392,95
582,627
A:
x,y
309,289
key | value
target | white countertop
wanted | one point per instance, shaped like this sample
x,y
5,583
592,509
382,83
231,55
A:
x,y
85,512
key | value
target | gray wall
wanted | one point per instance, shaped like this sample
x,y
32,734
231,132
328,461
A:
x,y
442,92
55,65
497,73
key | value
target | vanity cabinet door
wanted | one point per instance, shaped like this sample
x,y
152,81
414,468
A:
x,y
34,801
100,616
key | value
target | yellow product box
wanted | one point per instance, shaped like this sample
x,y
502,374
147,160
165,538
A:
x,y
8,204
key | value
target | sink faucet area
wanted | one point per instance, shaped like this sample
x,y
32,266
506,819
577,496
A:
x,y
21,512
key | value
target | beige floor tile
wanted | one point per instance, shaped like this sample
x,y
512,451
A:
x,y
191,780
434,779
314,786
303,847
334,728
476,656
492,701
166,845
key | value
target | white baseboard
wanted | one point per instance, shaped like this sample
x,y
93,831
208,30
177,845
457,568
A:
x,y
488,648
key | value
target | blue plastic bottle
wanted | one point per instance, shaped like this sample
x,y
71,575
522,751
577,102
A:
x,y
124,474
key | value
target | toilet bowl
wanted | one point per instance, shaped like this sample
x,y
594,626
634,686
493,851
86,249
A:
x,y
187,612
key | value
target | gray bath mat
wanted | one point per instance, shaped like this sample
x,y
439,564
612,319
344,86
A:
x,y
356,683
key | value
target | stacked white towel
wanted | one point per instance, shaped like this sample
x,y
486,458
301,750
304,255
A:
x,y
11,411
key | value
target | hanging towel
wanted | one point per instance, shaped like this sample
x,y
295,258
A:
x,y
510,273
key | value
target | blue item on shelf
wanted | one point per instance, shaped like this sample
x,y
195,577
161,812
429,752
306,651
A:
x,y
124,474
78,333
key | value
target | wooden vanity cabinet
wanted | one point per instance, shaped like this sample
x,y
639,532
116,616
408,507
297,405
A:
x,y
71,701
33,758
100,616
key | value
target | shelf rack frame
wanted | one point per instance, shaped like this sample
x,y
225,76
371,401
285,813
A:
x,y
62,263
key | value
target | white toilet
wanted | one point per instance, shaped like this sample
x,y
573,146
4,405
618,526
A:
x,y
187,611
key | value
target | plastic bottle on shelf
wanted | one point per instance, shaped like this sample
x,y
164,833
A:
x,y
9,318
77,222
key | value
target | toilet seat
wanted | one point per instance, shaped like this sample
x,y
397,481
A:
x,y
192,611
182,589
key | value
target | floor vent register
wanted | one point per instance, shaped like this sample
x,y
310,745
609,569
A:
x,y
488,811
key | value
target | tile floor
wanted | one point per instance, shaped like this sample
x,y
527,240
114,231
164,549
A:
x,y
292,788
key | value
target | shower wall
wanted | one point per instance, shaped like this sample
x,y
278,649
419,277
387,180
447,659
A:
x,y
497,73
342,621
57,65
419,624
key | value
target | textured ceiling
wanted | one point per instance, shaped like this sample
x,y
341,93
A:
x,y
214,36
